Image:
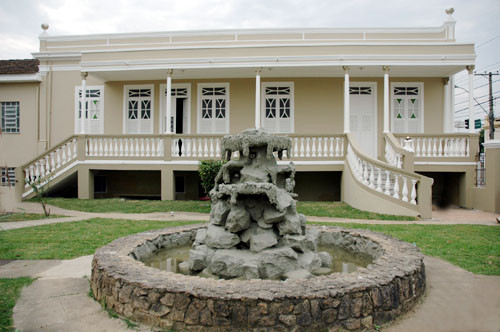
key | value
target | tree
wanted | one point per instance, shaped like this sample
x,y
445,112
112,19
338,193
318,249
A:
x,y
208,170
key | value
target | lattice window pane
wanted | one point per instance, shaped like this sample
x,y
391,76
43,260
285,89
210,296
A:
x,y
10,117
146,109
216,91
284,108
139,93
91,93
132,109
206,109
220,108
278,90
270,108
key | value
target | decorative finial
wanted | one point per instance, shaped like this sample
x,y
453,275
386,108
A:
x,y
45,27
450,11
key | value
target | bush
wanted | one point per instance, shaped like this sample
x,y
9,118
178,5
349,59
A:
x,y
208,169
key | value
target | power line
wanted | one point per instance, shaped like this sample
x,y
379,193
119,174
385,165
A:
x,y
465,101
476,87
487,42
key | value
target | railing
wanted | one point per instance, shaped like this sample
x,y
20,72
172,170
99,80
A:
x,y
124,146
396,155
441,145
196,146
48,164
318,146
390,181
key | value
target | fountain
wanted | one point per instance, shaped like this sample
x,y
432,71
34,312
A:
x,y
255,231
256,266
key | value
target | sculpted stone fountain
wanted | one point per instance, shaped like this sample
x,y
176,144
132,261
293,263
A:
x,y
255,231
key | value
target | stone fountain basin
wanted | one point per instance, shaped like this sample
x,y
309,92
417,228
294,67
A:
x,y
379,293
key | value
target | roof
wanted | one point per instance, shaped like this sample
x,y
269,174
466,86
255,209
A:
x,y
21,66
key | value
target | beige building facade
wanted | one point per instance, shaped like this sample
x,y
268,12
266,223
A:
x,y
157,103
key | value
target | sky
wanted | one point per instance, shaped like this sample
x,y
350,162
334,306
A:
x,y
478,21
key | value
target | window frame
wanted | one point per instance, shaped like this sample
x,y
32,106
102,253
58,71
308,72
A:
x,y
78,88
2,117
263,95
126,89
6,180
200,86
163,104
420,85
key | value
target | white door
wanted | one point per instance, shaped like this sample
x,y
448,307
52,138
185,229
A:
x,y
139,109
363,121
93,118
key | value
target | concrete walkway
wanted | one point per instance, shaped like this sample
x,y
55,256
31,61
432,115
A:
x,y
456,300
450,216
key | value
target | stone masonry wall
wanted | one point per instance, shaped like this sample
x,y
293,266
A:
x,y
388,287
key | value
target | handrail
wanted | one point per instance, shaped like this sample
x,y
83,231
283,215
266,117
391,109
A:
x,y
396,155
408,188
453,145
49,151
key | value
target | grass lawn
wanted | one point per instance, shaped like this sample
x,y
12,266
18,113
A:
x,y
73,239
320,209
10,289
474,248
22,216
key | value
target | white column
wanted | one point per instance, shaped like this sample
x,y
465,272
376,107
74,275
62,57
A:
x,y
84,102
470,69
257,98
347,114
386,99
447,125
168,130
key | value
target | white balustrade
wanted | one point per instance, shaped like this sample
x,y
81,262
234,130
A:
x,y
393,158
196,147
124,147
317,147
49,163
383,179
440,147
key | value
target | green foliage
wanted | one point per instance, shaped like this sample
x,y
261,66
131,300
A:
x,y
40,190
10,289
208,170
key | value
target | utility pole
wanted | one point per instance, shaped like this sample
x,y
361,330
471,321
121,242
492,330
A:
x,y
491,114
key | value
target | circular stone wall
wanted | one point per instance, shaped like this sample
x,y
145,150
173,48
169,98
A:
x,y
385,289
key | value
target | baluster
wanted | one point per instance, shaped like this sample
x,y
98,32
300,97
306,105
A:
x,y
331,151
58,156
106,149
467,152
429,147
325,147
296,147
205,147
371,182
100,148
32,173
52,161
320,147
200,148
143,150
211,147
446,147
217,148
137,151
453,147
68,150
396,187
405,189
173,148
417,147
161,151
413,191
193,143
75,144
424,147
387,183
187,142
148,148
308,147
42,167
37,170
434,147
440,147
379,180
462,147
341,140
365,173
63,154
26,176
125,147
121,148
302,147
313,146
47,164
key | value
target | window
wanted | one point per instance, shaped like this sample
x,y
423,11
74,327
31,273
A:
x,y
139,109
407,107
10,116
213,108
94,116
8,176
277,107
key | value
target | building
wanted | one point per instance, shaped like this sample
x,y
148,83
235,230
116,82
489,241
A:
x,y
157,103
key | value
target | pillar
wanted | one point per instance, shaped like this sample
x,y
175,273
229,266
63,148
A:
x,y
447,119
470,69
168,130
167,184
347,114
386,99
85,183
257,98
84,102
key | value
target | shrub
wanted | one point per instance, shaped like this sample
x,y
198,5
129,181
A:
x,y
208,169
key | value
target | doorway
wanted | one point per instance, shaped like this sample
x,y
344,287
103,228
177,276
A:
x,y
180,113
363,115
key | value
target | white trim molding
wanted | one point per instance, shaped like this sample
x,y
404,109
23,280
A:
x,y
19,78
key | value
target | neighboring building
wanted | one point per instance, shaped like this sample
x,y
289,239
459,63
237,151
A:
x,y
156,103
